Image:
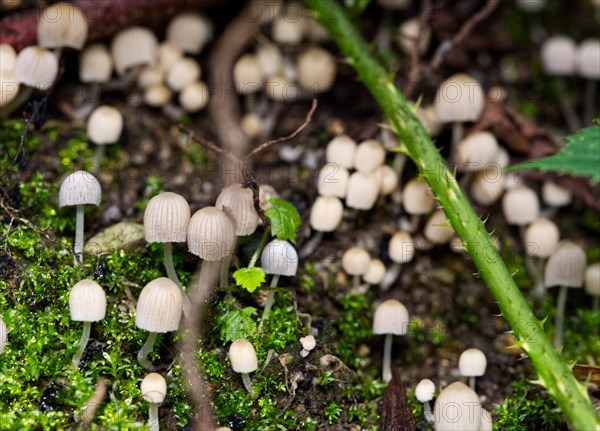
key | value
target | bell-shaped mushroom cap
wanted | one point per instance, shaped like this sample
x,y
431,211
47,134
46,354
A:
x,y
341,150
194,97
460,98
252,125
487,423
240,202
281,89
391,317
9,87
363,189
190,31
588,59
95,64
566,266
154,388
409,31
36,67
437,229
243,356
417,197
159,306
288,27
592,279
387,178
166,218
476,151
308,343
62,25
79,188
425,390
3,335
316,70
375,272
554,195
520,205
168,54
132,47
369,155
487,185
326,214
87,302
333,180
355,261
472,362
104,125
8,57
541,238
279,257
558,55
401,248
211,234
247,74
183,72
457,408
270,59
265,193
157,95
150,75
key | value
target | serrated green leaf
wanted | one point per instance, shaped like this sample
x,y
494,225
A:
x,y
238,324
249,278
580,157
285,219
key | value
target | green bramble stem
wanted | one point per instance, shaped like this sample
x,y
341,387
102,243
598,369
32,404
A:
x,y
554,374
85,337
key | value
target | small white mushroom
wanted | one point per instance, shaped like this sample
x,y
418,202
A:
x,y
457,408
87,304
424,393
104,127
391,318
472,363
244,361
189,31
133,47
36,67
308,344
355,261
154,390
95,64
592,284
63,25
341,150
3,335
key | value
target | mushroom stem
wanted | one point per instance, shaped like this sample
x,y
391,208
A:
x,y
247,383
589,101
311,244
142,356
391,275
427,413
168,254
566,108
387,358
559,317
415,221
98,156
472,382
78,246
153,417
596,304
270,300
536,270
85,337
225,267
458,131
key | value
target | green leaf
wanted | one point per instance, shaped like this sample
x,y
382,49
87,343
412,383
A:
x,y
249,278
238,324
580,157
285,219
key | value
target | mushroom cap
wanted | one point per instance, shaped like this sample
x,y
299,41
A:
x,y
459,98
243,356
457,408
190,31
369,156
247,74
279,257
355,261
62,25
520,205
363,189
554,195
308,342
166,218
425,390
159,306
251,124
409,31
132,47
401,248
79,188
430,121
9,87
375,273
288,27
150,75
183,72
436,229
341,150
95,64
417,197
566,266
265,193
87,302
104,125
240,202
487,185
211,234
281,89
388,179
3,335
157,95
316,70
270,59
558,55
472,362
541,238
168,54
476,151
391,317
588,59
8,57
36,67
592,279
154,388
194,97
333,180
326,213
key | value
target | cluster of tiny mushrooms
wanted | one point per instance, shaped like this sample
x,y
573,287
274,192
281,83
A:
x,y
354,173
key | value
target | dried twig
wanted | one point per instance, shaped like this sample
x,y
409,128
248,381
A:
x,y
395,412
92,404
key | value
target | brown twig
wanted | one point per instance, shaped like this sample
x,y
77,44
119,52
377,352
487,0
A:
x,y
395,412
415,58
92,404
